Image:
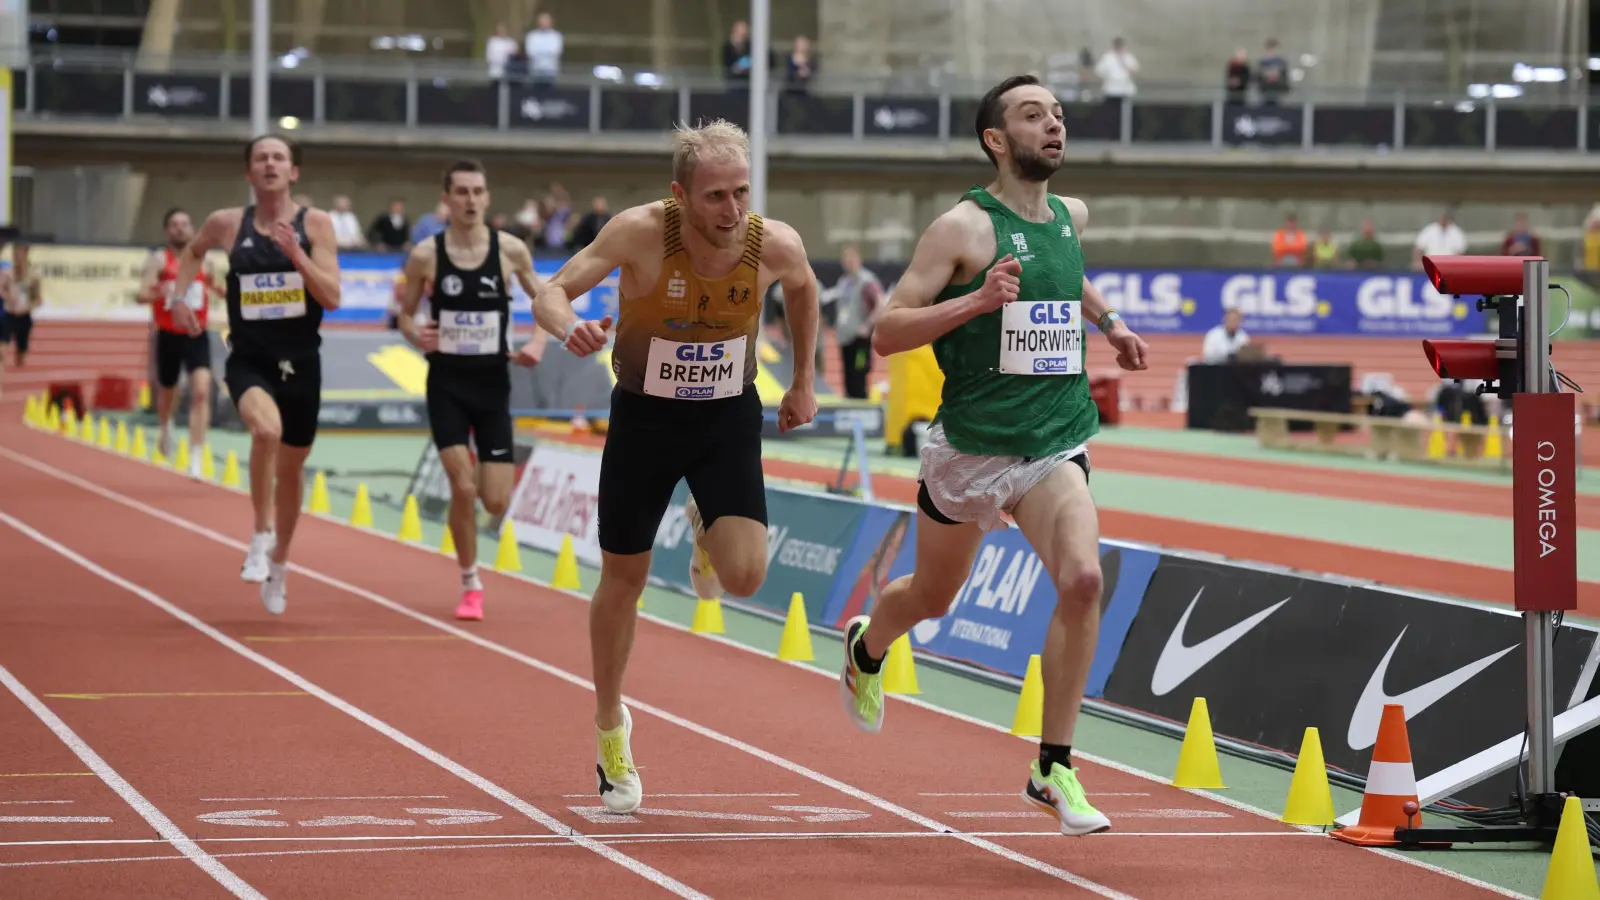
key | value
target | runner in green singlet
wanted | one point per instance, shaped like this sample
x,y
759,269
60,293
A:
x,y
997,286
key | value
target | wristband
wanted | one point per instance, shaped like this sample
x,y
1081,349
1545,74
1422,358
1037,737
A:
x,y
1107,319
570,329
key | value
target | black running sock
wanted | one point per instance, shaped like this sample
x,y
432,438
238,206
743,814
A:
x,y
1057,754
864,660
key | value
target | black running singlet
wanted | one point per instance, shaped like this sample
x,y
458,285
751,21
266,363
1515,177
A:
x,y
472,308
271,312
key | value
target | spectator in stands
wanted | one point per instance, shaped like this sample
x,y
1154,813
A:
x,y
1272,73
1441,238
588,227
305,200
529,222
1289,243
1116,69
543,46
736,54
1591,244
1521,239
859,297
499,49
1365,252
801,66
391,231
1238,78
557,219
346,227
1325,251
1224,340
431,224
498,221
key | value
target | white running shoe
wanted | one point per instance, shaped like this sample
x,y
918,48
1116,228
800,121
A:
x,y
256,559
706,584
195,471
275,590
620,788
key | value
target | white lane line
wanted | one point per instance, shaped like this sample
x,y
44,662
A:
x,y
726,740
158,820
282,799
590,795
653,875
543,845
31,802
16,819
1098,794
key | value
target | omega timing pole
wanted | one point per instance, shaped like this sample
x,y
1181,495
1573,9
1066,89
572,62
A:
x,y
1541,679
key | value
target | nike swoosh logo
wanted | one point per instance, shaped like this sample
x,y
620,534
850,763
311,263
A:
x,y
1369,709
1177,661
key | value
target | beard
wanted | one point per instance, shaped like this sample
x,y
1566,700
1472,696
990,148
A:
x,y
1029,165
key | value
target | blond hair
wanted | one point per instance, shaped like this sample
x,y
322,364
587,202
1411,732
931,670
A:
x,y
716,141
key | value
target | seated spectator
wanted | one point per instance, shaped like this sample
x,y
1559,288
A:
x,y
1272,73
588,227
346,227
529,222
1238,78
1441,238
557,219
1521,239
431,224
1365,252
1289,243
801,66
1325,251
1224,340
391,231
499,49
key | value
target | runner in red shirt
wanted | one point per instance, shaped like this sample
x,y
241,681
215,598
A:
x,y
176,350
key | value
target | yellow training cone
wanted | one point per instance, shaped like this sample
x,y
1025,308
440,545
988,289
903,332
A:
x,y
144,395
319,494
361,512
508,556
86,429
411,521
1310,798
566,574
30,410
707,617
52,418
900,669
181,462
230,471
208,465
1492,448
447,544
1197,759
1571,873
140,451
104,438
795,644
1437,446
123,446
1029,719
69,424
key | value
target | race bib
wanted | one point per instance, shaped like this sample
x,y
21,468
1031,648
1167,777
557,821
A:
x,y
194,298
469,332
708,371
272,295
1041,337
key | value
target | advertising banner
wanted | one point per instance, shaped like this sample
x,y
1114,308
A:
x,y
557,496
1544,502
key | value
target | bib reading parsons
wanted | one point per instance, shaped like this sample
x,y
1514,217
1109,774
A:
x,y
272,295
469,332
708,371
1041,337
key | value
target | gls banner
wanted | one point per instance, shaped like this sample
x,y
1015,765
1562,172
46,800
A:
x,y
1288,302
556,497
1274,654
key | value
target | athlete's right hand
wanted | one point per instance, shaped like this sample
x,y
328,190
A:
x,y
588,337
184,318
1001,285
428,337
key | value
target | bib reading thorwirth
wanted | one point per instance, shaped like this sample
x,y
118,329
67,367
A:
x,y
692,337
987,411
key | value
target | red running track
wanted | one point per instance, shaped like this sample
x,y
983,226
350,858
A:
x,y
365,744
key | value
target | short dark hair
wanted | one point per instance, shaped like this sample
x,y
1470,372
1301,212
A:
x,y
992,112
461,165
176,210
250,148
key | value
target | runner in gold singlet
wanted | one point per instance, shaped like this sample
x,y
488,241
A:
x,y
694,269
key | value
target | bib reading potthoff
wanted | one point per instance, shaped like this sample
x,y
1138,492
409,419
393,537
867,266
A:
x,y
708,371
1041,337
272,295
469,333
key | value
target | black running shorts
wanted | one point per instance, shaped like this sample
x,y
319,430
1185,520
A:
x,y
653,442
177,353
295,386
464,402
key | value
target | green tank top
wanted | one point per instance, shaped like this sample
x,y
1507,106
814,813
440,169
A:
x,y
987,412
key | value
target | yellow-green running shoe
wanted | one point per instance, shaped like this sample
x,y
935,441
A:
x,y
1062,796
620,789
861,692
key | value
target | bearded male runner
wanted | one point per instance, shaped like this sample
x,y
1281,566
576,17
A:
x,y
694,269
997,286
177,350
467,342
283,271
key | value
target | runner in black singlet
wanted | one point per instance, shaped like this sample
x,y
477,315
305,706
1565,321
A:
x,y
283,271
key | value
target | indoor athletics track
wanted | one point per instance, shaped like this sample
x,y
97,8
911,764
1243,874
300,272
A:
x,y
165,736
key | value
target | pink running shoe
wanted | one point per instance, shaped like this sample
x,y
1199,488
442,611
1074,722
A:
x,y
471,606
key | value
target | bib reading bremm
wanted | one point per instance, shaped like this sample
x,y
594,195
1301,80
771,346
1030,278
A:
x,y
706,371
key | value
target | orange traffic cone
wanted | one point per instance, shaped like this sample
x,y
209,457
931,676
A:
x,y
1391,783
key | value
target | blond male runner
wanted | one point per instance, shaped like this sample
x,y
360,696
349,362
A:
x,y
997,286
694,269
467,341
283,271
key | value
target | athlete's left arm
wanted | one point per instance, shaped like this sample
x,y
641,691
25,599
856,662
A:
x,y
786,254
521,259
1132,353
320,267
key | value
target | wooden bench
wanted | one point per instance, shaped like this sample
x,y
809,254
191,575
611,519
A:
x,y
1387,437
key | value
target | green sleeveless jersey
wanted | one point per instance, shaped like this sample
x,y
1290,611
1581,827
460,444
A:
x,y
985,411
